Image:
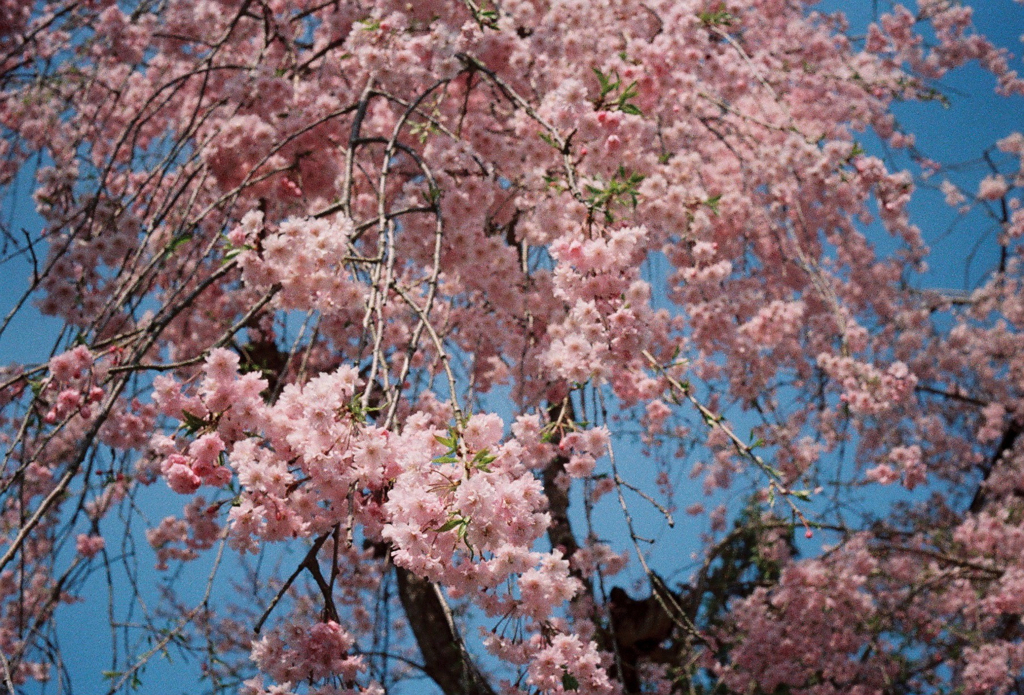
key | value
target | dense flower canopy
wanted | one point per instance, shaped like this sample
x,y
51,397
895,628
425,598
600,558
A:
x,y
395,303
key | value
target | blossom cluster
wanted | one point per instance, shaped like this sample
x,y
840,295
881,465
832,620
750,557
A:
x,y
302,250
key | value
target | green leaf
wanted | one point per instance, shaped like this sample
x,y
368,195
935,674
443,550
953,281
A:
x,y
483,459
178,243
450,524
569,681
716,18
607,86
193,423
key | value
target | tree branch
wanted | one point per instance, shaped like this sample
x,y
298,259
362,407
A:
x,y
444,655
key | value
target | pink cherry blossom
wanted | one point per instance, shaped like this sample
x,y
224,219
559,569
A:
x,y
402,331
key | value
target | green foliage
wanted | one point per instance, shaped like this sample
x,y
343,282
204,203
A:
x,y
421,131
569,681
177,243
622,189
481,460
487,17
193,423
718,17
613,96
133,682
358,412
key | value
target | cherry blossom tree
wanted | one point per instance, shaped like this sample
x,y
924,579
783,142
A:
x,y
396,304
